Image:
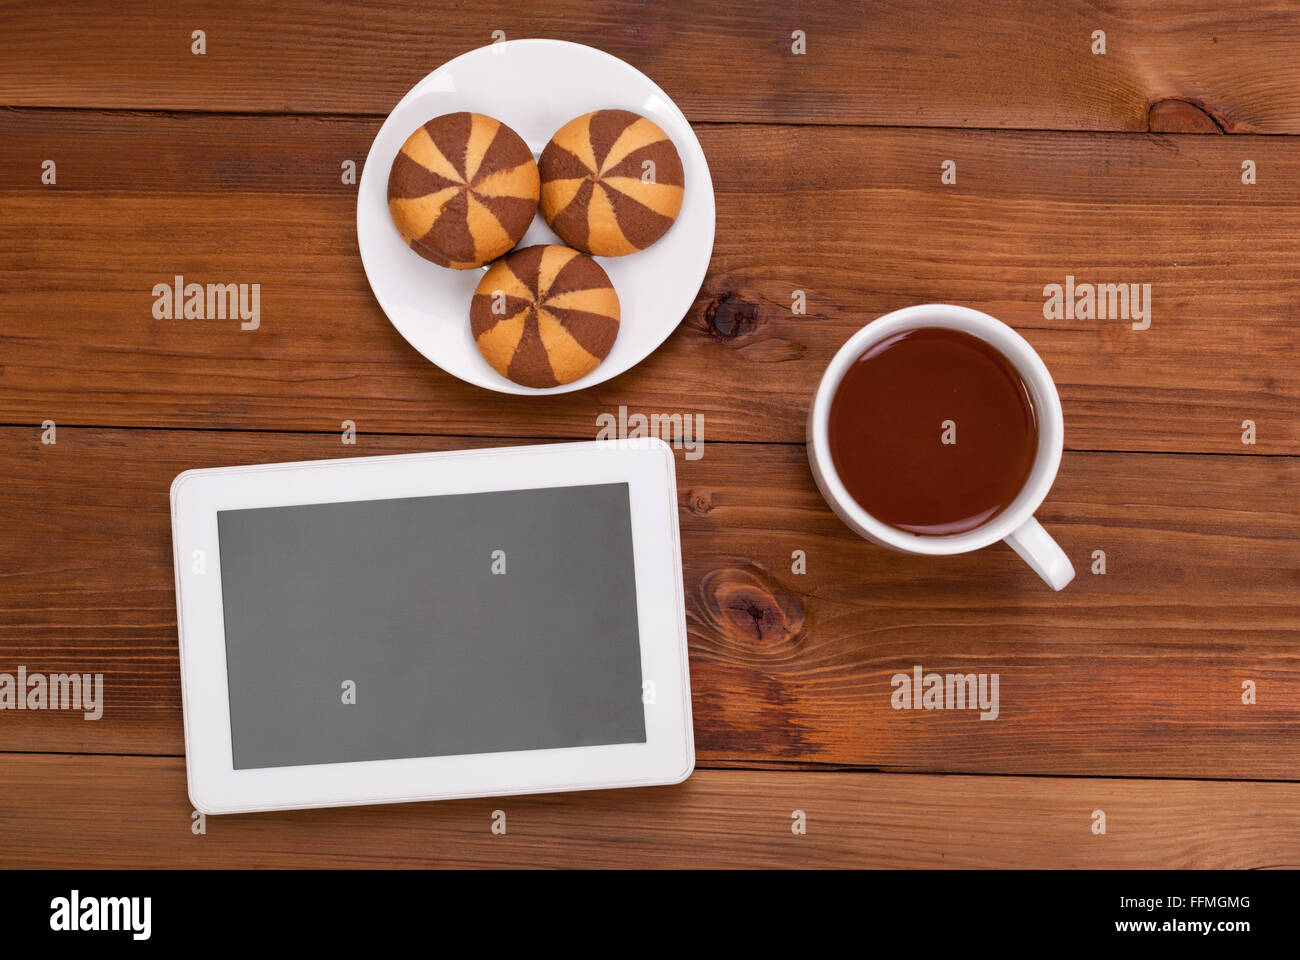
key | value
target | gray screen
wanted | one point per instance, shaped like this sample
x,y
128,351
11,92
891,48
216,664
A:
x,y
451,646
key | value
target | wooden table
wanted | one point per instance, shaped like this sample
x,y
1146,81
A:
x,y
1122,694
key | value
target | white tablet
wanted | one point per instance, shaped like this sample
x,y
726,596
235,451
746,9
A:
x,y
422,627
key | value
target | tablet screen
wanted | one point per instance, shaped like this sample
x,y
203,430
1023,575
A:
x,y
431,626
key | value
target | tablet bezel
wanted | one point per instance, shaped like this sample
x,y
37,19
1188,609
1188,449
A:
x,y
645,465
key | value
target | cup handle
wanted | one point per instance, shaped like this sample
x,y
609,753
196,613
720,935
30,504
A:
x,y
1037,548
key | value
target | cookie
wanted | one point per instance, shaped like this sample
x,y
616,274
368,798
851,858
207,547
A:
x,y
463,190
612,183
544,315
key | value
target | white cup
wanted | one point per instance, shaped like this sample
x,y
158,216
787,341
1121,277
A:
x,y
1015,524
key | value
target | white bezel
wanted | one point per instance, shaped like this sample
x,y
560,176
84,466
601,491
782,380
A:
x,y
647,466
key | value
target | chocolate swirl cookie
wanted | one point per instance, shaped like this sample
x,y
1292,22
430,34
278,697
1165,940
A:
x,y
544,315
463,190
612,183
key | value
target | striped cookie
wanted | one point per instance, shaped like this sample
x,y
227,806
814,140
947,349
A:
x,y
611,183
463,190
544,315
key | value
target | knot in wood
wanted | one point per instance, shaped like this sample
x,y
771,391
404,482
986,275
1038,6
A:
x,y
730,316
748,605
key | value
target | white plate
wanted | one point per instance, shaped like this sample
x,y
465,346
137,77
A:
x,y
534,87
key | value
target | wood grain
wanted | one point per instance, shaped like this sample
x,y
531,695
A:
x,y
981,63
865,227
1137,672
133,812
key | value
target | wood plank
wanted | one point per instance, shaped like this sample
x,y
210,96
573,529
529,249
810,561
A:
x,y
1186,65
125,812
1137,672
863,228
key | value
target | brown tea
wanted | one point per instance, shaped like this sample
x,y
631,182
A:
x,y
933,431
